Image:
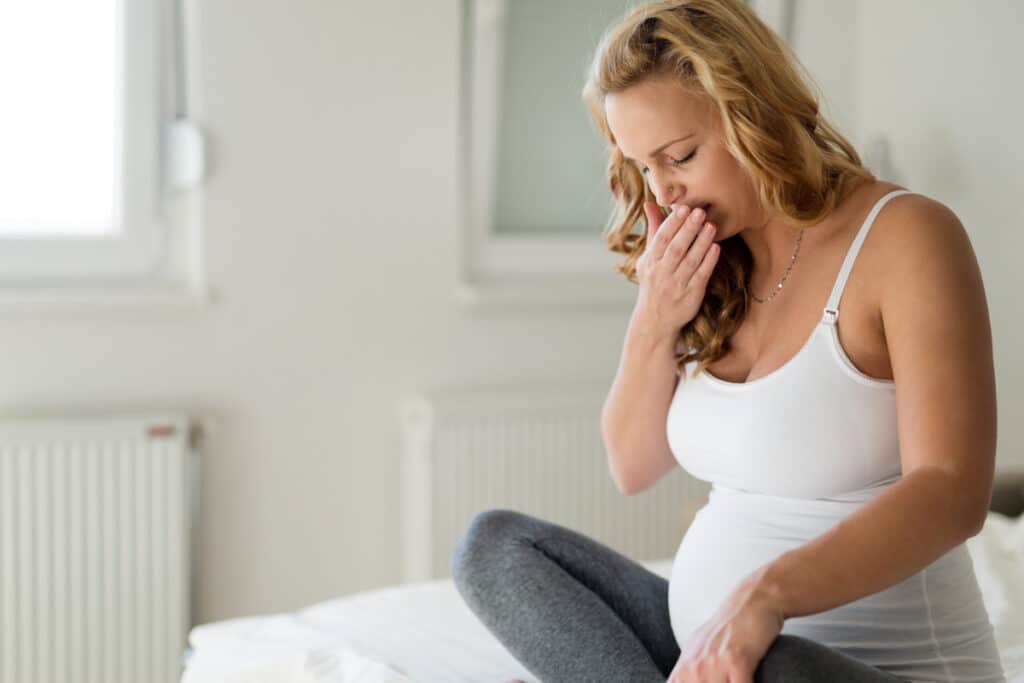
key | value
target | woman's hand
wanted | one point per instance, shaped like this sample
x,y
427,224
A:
x,y
728,647
673,271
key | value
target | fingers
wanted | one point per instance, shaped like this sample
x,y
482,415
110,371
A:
x,y
666,234
679,244
698,251
654,219
708,258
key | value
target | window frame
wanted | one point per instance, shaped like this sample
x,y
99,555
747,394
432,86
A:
x,y
496,270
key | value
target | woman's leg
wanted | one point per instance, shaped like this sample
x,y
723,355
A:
x,y
572,609
795,659
567,607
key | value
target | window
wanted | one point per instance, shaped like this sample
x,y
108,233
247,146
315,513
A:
x,y
94,141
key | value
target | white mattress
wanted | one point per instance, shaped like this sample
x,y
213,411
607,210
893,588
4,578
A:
x,y
425,632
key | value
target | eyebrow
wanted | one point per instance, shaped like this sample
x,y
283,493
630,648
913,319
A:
x,y
670,142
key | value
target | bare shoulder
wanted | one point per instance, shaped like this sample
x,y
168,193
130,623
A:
x,y
917,216
914,231
909,232
923,258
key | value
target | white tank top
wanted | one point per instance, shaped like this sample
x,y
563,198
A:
x,y
790,454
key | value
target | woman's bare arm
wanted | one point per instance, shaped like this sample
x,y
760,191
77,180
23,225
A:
x,y
634,414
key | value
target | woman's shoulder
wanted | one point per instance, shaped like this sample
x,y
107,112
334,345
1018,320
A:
x,y
908,225
909,235
918,248
912,208
911,226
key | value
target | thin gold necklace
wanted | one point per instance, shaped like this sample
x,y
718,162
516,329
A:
x,y
778,287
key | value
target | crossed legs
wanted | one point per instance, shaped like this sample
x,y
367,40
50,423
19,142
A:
x,y
570,608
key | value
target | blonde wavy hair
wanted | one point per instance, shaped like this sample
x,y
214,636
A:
x,y
799,164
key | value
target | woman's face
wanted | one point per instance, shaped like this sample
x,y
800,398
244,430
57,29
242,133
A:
x,y
674,138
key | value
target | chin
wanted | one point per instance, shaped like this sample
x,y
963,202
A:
x,y
722,235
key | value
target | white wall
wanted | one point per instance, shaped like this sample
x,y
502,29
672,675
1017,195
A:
x,y
825,39
330,218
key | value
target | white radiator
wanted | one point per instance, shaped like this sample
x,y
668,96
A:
x,y
537,450
95,548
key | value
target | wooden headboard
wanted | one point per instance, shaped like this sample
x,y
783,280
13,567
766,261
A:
x,y
1008,494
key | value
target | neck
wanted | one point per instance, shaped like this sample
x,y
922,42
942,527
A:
x,y
771,247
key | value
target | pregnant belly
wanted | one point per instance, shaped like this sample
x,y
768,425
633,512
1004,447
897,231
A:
x,y
710,562
731,537
900,628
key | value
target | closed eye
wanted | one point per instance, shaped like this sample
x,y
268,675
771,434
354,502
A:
x,y
677,162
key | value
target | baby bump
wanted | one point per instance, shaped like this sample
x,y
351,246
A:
x,y
898,628
717,552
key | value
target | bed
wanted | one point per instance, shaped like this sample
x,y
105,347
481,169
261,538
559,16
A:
x,y
424,632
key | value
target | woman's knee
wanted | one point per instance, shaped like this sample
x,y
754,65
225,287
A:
x,y
484,535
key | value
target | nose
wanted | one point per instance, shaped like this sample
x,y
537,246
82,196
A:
x,y
664,190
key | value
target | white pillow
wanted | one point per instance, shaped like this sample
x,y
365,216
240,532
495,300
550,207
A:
x,y
997,553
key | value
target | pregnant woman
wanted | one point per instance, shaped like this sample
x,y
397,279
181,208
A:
x,y
810,339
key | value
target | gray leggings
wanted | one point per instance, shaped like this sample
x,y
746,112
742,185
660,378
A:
x,y
571,609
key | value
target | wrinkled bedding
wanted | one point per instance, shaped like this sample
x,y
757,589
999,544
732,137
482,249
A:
x,y
424,632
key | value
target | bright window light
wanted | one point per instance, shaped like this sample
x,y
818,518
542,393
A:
x,y
59,98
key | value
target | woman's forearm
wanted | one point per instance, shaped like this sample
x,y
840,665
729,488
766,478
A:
x,y
890,538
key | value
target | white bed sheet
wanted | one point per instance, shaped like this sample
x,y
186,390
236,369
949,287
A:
x,y
425,632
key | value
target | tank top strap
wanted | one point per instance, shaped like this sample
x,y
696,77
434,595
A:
x,y
831,313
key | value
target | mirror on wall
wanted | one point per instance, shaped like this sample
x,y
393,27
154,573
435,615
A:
x,y
535,198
